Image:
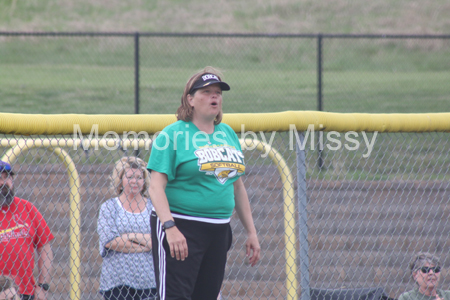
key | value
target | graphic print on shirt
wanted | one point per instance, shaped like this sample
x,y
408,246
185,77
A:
x,y
223,162
21,229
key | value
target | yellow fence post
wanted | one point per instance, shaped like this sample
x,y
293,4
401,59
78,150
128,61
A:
x,y
290,251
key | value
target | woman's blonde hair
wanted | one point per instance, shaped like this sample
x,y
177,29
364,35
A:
x,y
128,162
7,283
185,112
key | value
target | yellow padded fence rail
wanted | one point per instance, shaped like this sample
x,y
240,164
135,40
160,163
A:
x,y
32,124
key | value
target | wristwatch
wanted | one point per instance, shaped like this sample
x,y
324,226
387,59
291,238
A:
x,y
44,286
168,224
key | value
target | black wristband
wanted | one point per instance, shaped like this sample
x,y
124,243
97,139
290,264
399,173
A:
x,y
168,224
44,286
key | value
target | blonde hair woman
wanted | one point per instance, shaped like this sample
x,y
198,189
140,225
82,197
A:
x,y
116,177
124,234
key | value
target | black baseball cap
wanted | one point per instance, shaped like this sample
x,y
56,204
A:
x,y
208,79
5,167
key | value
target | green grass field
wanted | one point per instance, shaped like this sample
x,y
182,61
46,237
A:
x,y
282,16
96,75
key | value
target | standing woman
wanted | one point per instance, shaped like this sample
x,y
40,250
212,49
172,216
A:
x,y
196,164
124,235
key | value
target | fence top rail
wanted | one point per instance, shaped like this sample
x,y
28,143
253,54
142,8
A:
x,y
36,124
230,35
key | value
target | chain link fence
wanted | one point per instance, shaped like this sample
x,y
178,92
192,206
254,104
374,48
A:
x,y
117,73
353,221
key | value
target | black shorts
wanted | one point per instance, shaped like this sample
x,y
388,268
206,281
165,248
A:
x,y
200,275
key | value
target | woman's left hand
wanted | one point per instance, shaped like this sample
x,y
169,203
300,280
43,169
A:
x,y
141,239
253,250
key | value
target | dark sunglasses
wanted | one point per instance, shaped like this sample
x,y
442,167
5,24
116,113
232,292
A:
x,y
426,270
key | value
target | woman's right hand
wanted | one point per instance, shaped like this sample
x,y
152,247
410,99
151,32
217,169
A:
x,y
177,243
175,239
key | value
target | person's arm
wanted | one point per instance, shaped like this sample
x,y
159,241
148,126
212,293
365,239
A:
x,y
253,250
143,239
45,259
111,238
127,243
175,239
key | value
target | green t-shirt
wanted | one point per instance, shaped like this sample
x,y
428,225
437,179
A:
x,y
201,168
415,295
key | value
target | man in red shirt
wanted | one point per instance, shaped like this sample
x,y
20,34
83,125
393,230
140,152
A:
x,y
23,231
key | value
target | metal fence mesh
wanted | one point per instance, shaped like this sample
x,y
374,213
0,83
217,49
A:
x,y
97,73
365,217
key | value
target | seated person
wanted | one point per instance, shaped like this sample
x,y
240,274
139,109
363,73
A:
x,y
425,271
